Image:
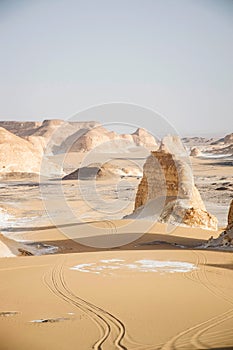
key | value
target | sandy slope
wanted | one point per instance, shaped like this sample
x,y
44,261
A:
x,y
122,310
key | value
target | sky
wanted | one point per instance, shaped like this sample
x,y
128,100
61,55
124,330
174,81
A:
x,y
172,56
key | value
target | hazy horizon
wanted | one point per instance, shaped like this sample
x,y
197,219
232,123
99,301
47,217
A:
x,y
60,57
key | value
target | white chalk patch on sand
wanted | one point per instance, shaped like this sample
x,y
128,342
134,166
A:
x,y
112,260
83,267
144,265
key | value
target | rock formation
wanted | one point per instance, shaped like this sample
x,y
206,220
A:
x,y
230,217
225,239
223,146
172,144
105,171
228,139
11,248
59,136
54,134
99,136
123,169
20,128
142,137
83,173
168,175
17,154
195,152
20,157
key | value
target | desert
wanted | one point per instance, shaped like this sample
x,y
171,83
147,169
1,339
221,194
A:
x,y
116,175
98,255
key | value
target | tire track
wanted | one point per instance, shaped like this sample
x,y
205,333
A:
x,y
52,284
112,329
195,340
190,338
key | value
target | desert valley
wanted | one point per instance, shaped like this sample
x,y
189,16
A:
x,y
114,240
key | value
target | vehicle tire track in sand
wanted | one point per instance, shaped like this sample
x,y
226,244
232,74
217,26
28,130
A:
x,y
111,319
190,338
111,328
217,339
53,285
120,333
171,343
195,340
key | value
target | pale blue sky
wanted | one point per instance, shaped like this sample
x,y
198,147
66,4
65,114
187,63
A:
x,y
174,56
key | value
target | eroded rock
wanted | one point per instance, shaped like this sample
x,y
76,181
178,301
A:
x,y
167,174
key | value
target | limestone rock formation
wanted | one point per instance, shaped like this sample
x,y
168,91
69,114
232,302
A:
x,y
11,248
52,135
228,139
223,146
17,154
20,157
104,171
20,128
195,152
172,144
83,173
122,169
60,135
225,239
110,141
92,138
143,138
230,217
168,175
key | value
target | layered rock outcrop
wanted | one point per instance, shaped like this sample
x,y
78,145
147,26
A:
x,y
168,175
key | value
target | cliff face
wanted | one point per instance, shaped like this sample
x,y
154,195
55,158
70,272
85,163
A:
x,y
169,176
